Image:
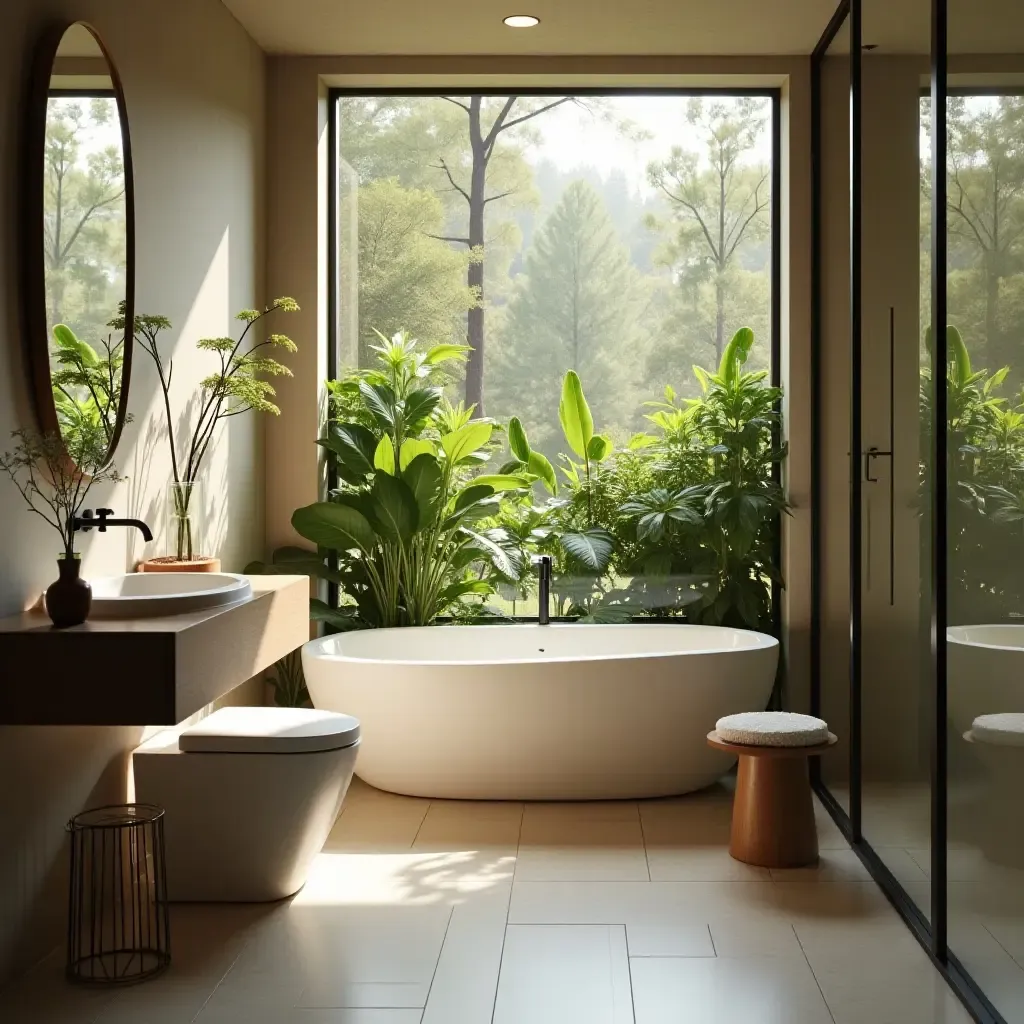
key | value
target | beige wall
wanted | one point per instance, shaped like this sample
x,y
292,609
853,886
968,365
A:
x,y
194,85
296,133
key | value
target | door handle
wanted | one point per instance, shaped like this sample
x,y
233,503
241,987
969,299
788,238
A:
x,y
869,456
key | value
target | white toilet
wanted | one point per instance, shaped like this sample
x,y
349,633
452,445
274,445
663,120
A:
x,y
998,741
250,795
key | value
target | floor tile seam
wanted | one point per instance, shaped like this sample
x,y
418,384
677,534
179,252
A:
x,y
242,948
995,939
504,930
419,827
437,962
629,970
647,859
810,967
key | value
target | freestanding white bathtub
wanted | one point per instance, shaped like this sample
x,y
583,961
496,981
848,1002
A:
x,y
985,668
529,712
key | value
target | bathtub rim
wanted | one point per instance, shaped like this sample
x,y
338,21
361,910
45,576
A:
x,y
765,643
961,640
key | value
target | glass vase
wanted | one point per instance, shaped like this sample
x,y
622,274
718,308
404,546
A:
x,y
185,521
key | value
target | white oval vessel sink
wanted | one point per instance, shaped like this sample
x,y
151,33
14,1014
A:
x,y
141,595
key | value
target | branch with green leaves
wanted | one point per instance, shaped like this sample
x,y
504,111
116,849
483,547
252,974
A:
x,y
238,385
53,475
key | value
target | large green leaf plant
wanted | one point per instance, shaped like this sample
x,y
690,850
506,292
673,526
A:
x,y
408,534
705,535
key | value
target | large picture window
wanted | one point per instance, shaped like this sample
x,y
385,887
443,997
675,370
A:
x,y
604,265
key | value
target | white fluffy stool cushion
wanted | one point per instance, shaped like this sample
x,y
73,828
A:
x,y
1006,730
772,729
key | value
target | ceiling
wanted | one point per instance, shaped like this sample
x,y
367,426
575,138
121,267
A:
x,y
567,26
608,27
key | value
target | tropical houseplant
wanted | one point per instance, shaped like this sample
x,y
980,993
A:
x,y
86,383
399,533
705,534
681,521
236,386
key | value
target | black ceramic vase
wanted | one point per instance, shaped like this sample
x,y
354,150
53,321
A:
x,y
69,599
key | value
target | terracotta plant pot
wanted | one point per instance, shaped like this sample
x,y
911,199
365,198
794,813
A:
x,y
69,598
168,563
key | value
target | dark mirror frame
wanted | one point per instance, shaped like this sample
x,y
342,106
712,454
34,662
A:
x,y
35,327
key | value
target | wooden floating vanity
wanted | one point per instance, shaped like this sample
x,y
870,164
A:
x,y
146,671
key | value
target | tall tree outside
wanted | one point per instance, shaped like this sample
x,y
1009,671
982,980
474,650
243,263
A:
x,y
550,233
985,195
720,201
573,308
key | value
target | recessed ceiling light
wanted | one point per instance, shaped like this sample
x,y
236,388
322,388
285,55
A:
x,y
521,21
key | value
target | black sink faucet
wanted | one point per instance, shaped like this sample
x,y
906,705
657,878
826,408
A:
x,y
543,563
100,520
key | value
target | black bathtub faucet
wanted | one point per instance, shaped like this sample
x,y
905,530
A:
x,y
543,563
100,520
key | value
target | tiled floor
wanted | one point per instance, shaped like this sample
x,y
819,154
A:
x,y
986,899
434,912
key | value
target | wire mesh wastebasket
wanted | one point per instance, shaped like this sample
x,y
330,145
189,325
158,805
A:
x,y
118,928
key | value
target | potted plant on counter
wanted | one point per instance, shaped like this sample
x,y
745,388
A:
x,y
54,477
237,386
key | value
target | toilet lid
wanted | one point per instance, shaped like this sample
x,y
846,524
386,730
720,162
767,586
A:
x,y
1005,730
269,731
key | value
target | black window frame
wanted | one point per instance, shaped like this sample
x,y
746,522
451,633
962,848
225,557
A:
x,y
773,93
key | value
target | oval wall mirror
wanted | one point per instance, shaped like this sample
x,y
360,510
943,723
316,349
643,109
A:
x,y
79,240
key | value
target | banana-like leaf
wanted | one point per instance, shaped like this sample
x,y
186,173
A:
x,y
541,468
394,507
502,481
333,526
471,495
423,477
454,591
465,441
735,355
600,448
592,548
384,456
413,447
956,352
517,440
70,342
444,353
640,441
487,547
574,415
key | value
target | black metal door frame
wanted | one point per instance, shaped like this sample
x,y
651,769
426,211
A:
x,y
930,930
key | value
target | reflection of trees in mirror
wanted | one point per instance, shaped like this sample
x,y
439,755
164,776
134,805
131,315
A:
x,y
681,521
985,482
984,222
237,386
54,475
83,214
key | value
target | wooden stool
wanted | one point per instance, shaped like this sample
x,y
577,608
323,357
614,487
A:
x,y
772,813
